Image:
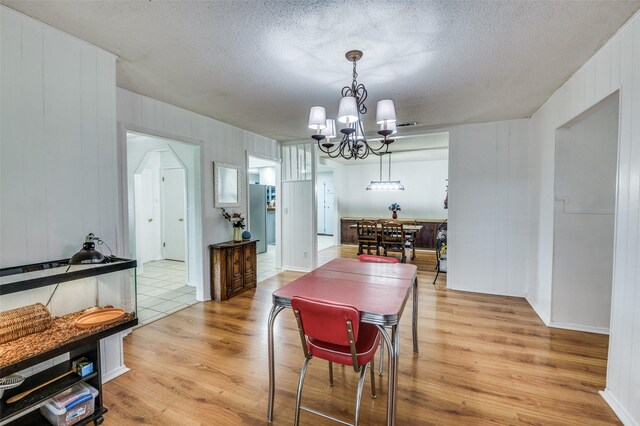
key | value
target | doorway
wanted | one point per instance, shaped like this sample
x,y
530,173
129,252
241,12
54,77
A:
x,y
262,199
159,182
584,213
325,203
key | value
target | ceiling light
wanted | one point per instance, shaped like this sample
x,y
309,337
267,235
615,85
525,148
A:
x,y
351,108
385,185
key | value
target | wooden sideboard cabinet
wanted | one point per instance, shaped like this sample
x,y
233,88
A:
x,y
233,268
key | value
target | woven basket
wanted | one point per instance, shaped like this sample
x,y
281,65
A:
x,y
20,322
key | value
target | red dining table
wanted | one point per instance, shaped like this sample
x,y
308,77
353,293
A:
x,y
378,290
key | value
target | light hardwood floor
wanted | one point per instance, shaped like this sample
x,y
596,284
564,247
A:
x,y
483,360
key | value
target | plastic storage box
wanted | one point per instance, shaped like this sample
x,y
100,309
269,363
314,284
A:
x,y
70,406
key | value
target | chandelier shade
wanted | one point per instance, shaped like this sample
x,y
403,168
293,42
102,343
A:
x,y
317,118
385,112
330,130
348,110
351,109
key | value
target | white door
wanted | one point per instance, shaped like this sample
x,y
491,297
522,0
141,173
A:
x,y
145,226
174,214
328,213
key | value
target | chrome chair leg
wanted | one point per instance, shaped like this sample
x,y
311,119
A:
x,y
330,373
381,364
363,373
299,395
373,378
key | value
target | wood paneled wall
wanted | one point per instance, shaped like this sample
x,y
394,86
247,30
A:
x,y
58,142
488,232
616,66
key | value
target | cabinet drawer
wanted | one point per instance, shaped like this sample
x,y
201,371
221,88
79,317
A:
x,y
236,285
249,280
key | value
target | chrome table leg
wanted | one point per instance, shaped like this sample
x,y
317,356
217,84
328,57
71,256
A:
x,y
415,316
393,347
275,310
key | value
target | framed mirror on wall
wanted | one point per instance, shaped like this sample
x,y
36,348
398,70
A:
x,y
226,185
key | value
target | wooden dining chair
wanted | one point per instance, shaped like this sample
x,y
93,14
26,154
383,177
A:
x,y
368,236
392,239
333,332
410,241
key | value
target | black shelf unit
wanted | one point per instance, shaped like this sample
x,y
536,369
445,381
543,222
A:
x,y
24,412
88,347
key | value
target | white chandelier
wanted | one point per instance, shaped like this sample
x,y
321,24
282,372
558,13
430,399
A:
x,y
353,144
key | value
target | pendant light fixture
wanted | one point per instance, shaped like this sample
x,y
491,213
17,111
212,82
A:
x,y
351,109
385,185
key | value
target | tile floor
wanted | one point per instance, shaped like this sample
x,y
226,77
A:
x,y
267,264
162,290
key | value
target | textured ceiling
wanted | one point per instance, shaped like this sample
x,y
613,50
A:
x,y
261,65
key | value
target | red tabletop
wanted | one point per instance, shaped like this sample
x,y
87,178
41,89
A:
x,y
355,266
378,291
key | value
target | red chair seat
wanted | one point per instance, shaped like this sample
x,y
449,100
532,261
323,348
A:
x,y
366,345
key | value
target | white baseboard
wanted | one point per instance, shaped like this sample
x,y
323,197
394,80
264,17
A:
x,y
114,373
578,327
617,408
543,315
294,269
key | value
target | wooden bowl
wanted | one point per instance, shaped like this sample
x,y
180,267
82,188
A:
x,y
100,317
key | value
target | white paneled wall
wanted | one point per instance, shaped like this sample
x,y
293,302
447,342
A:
x,y
488,235
425,184
297,224
58,170
58,152
218,142
614,67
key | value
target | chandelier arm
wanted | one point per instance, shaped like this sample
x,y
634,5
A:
x,y
361,95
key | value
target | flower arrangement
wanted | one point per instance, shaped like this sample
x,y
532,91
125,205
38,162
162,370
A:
x,y
394,207
236,219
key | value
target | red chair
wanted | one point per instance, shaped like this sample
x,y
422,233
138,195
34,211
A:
x,y
333,332
377,259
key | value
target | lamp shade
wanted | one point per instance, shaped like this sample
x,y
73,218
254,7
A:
x,y
385,112
330,130
87,255
348,110
317,118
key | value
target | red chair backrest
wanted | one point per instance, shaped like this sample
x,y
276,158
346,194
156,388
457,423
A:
x,y
377,259
326,321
